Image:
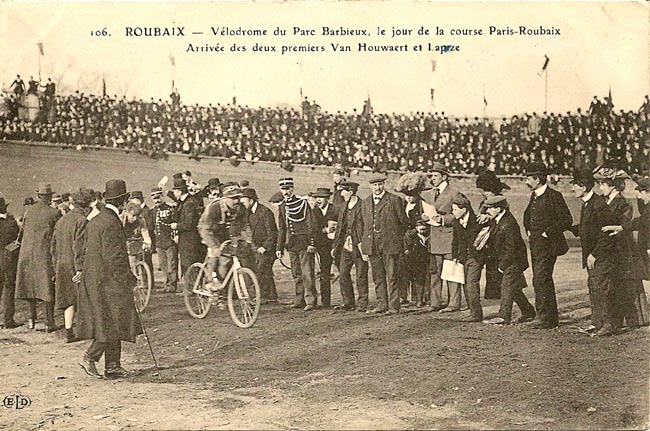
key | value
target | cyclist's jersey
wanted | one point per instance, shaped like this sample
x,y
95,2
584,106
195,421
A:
x,y
219,223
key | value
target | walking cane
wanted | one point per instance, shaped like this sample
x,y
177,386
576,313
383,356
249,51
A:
x,y
144,330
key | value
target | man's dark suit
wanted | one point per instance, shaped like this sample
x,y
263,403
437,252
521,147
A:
x,y
384,225
190,248
510,251
265,234
324,248
8,266
350,224
594,214
545,219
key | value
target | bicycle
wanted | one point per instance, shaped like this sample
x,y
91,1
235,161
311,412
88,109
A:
x,y
141,270
243,292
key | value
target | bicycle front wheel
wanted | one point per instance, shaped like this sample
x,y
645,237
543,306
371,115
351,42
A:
x,y
142,289
244,298
195,294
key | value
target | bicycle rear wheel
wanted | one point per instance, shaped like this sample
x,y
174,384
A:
x,y
244,298
142,289
195,295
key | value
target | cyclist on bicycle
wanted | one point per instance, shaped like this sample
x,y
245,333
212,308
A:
x,y
226,219
137,233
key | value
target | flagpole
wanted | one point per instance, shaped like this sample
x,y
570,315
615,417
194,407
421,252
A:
x,y
39,63
484,102
546,89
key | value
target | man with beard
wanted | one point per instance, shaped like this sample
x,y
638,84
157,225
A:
x,y
35,278
106,312
188,213
68,248
545,219
265,238
163,216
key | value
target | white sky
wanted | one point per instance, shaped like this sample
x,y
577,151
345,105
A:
x,y
602,45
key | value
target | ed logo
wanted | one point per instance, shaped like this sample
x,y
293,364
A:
x,y
17,402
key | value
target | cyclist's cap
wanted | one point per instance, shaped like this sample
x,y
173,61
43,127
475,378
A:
x,y
231,190
285,183
156,192
249,192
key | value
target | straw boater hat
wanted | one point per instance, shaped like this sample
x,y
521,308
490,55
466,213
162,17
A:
x,y
611,174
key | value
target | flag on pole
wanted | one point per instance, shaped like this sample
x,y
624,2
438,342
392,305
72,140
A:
x,y
546,60
40,48
103,86
300,93
234,100
485,100
367,108
432,93
171,60
433,65
610,95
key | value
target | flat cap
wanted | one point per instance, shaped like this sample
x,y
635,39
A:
x,y
495,201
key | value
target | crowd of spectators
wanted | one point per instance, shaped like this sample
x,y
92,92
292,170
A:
x,y
309,135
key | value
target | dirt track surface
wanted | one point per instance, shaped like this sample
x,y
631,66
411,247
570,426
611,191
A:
x,y
339,370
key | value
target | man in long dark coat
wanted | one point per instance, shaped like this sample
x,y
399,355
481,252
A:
x,y
106,311
545,219
326,215
265,239
35,277
68,248
188,213
8,259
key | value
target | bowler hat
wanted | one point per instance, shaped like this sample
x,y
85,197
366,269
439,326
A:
x,y
3,206
536,168
643,185
322,192
180,184
377,178
136,195
349,185
439,167
214,183
114,189
249,192
44,189
583,177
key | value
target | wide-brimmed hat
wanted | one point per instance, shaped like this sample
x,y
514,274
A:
x,y
489,182
536,168
179,184
44,189
412,184
114,189
377,178
439,167
610,174
322,192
